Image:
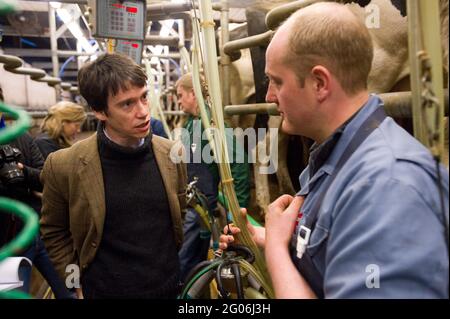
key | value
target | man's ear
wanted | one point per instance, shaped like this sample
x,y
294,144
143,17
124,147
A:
x,y
321,80
100,115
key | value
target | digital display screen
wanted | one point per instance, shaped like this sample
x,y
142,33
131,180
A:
x,y
115,20
131,48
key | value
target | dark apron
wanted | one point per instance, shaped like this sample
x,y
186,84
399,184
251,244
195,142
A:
x,y
305,264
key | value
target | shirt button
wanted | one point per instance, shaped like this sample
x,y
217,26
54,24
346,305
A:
x,y
94,244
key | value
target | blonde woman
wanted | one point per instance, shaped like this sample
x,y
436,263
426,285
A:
x,y
60,127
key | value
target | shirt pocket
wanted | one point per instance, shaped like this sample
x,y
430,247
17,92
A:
x,y
318,242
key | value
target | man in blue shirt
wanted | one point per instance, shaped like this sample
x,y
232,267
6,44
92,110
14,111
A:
x,y
368,221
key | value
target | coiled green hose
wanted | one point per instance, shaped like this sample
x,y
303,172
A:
x,y
31,224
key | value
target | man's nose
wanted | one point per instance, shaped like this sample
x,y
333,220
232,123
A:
x,y
270,95
143,109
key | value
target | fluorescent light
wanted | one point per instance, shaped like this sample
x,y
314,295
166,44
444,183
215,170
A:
x,y
75,29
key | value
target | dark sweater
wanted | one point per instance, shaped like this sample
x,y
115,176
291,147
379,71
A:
x,y
137,256
46,144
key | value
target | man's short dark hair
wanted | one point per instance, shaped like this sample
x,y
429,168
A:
x,y
107,75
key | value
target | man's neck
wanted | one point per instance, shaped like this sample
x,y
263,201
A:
x,y
339,111
125,142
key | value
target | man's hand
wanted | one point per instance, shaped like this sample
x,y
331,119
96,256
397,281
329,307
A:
x,y
258,233
280,219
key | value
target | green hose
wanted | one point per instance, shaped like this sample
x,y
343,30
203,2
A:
x,y
31,224
197,277
22,125
6,7
30,228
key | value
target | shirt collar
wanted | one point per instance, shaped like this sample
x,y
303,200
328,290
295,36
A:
x,y
319,153
141,141
336,148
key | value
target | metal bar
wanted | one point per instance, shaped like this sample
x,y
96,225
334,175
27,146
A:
x,y
160,40
64,1
397,104
173,16
414,46
249,42
431,29
42,52
67,53
53,39
167,8
225,58
165,56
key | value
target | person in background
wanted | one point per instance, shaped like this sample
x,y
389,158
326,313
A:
x,y
28,164
196,244
60,127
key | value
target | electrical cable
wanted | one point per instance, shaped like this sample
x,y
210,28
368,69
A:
x,y
237,278
220,287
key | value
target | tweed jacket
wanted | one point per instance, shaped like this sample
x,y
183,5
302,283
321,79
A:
x,y
73,203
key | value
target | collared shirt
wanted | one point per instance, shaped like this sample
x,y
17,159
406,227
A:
x,y
141,141
380,230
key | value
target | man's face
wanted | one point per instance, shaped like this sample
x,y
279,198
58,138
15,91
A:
x,y
187,100
128,116
295,103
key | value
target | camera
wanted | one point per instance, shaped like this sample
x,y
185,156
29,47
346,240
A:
x,y
10,174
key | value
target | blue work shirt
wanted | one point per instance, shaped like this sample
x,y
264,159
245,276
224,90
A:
x,y
380,229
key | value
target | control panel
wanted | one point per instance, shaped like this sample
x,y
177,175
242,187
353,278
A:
x,y
131,48
115,19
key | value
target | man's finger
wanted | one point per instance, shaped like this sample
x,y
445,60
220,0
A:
x,y
295,204
281,203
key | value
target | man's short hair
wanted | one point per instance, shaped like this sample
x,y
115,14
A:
x,y
108,74
341,44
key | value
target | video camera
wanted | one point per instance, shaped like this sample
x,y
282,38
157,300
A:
x,y
10,174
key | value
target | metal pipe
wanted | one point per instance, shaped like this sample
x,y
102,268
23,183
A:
x,y
258,108
66,86
396,104
165,56
277,15
167,8
67,1
53,39
414,46
173,16
65,53
225,58
160,40
249,42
